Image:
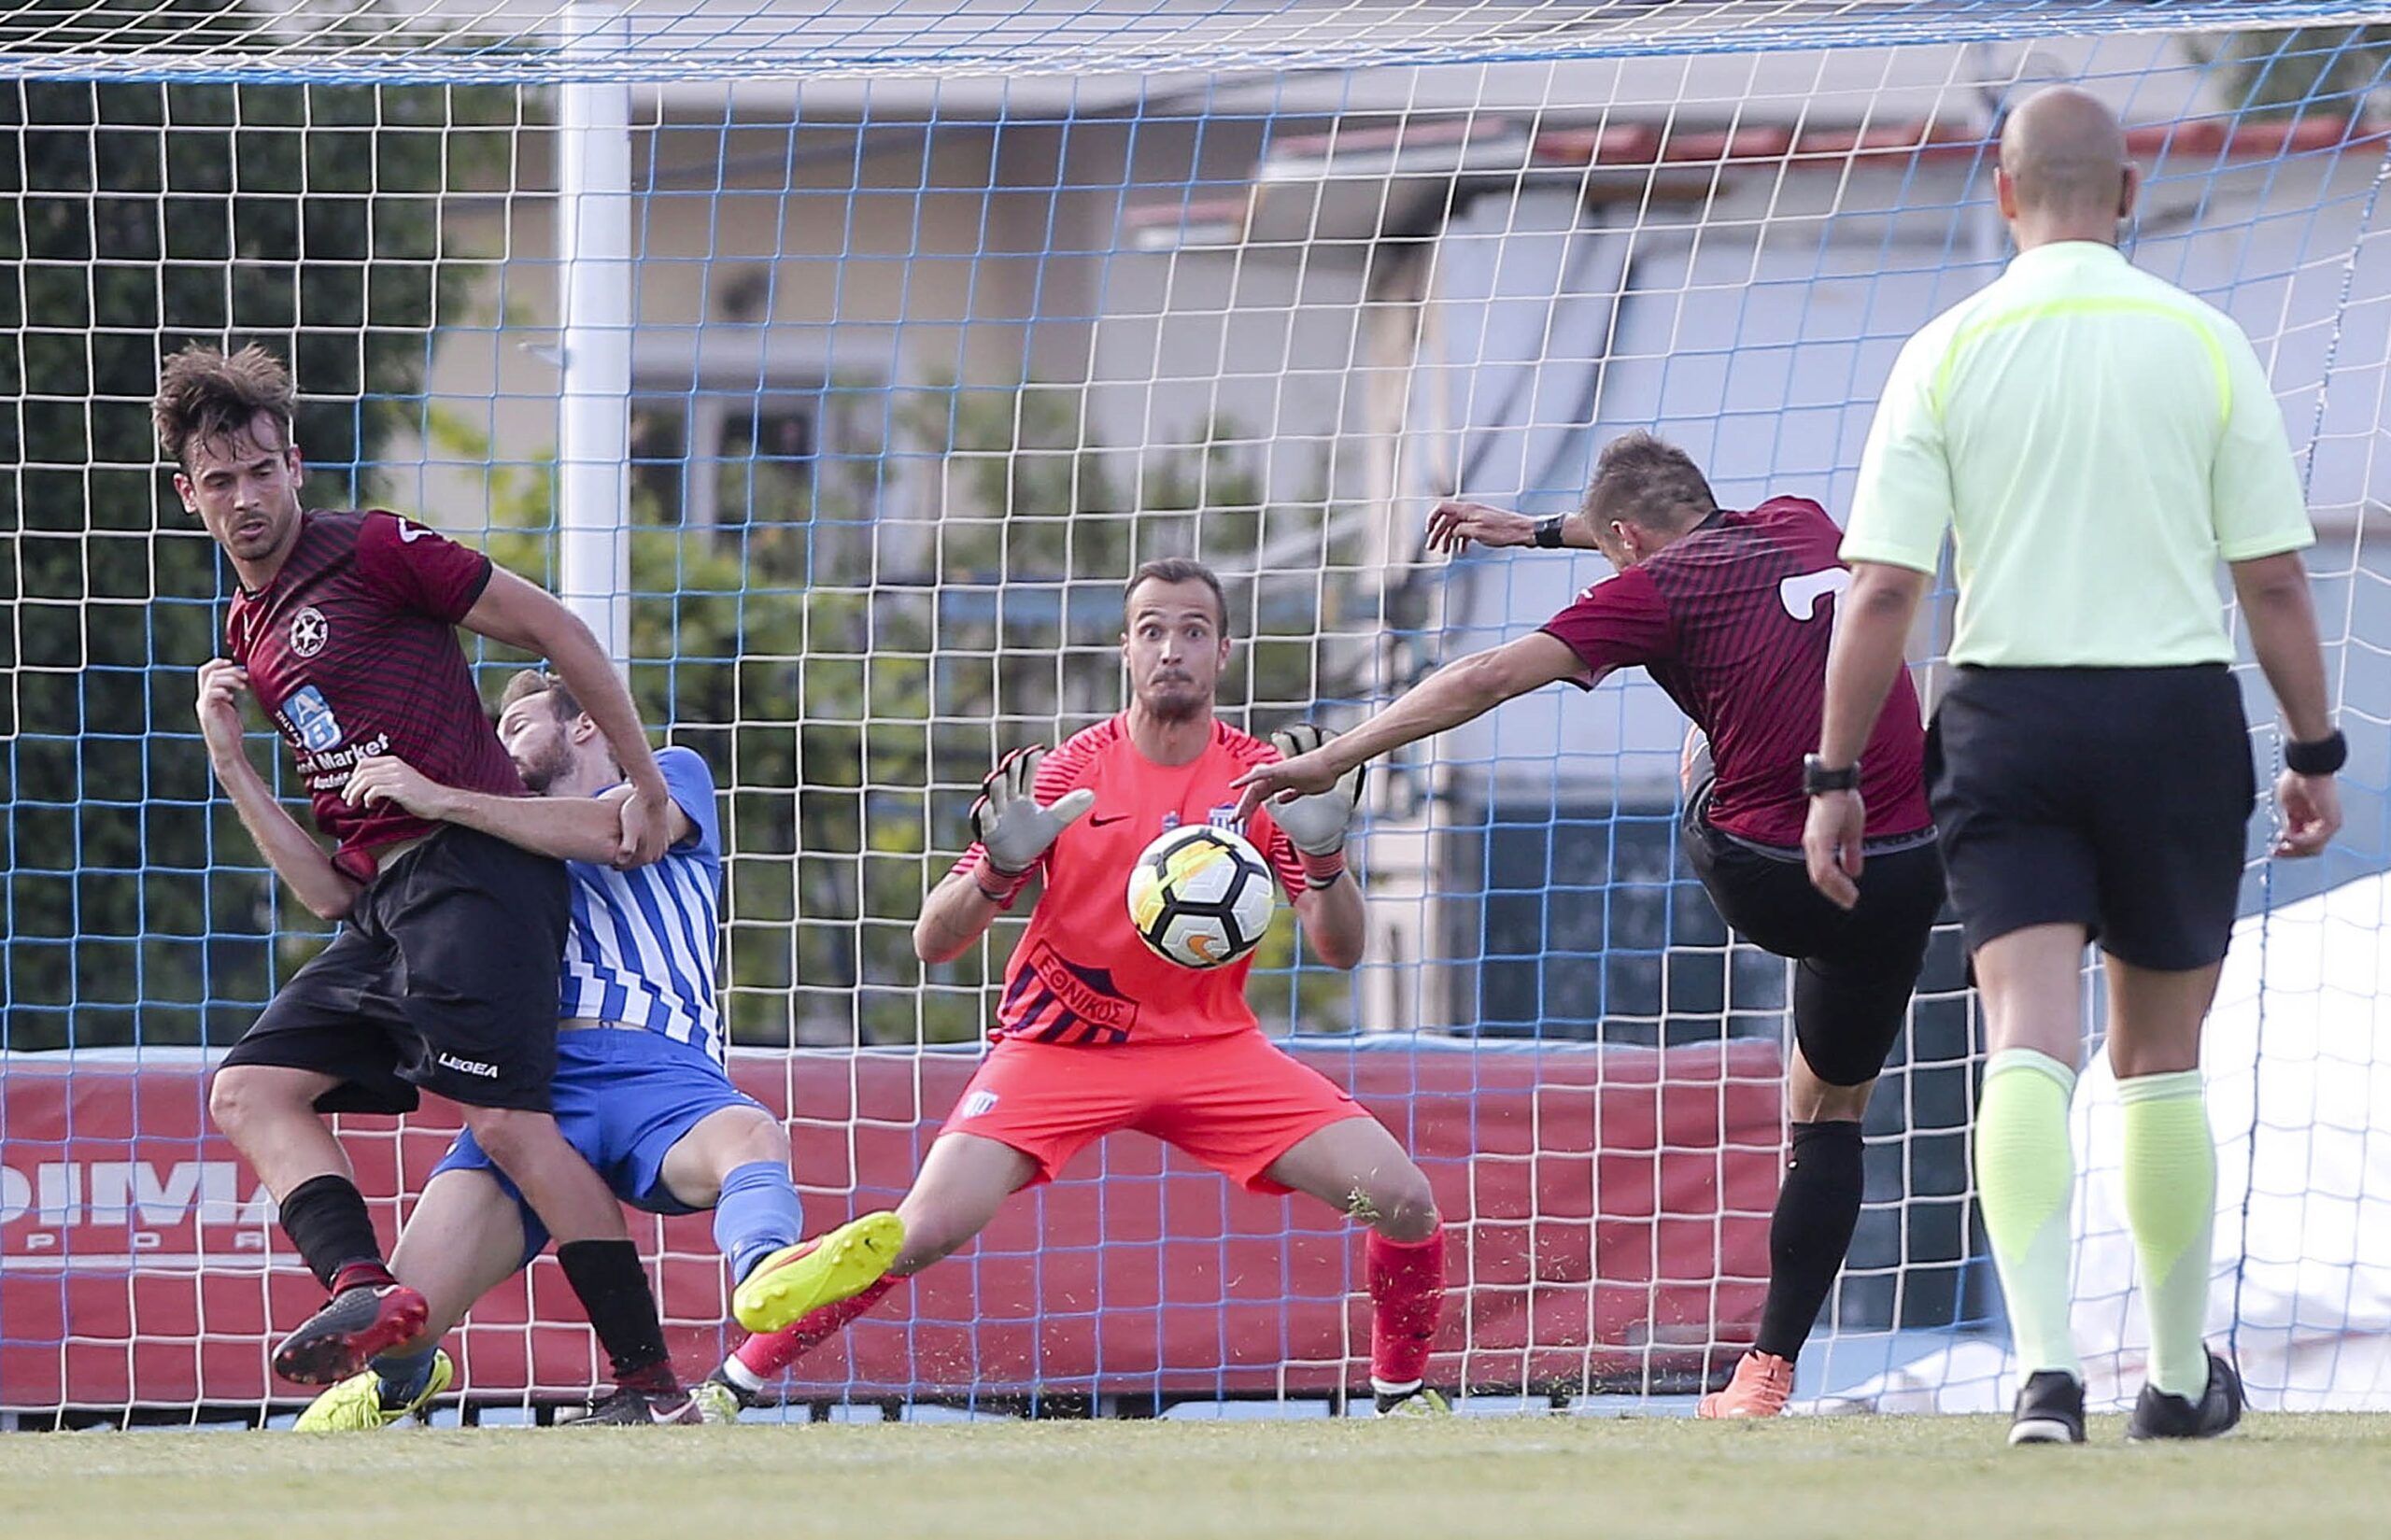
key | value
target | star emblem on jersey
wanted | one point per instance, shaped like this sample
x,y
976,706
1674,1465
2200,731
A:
x,y
310,631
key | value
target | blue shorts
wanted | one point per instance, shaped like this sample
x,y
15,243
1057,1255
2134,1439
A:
x,y
622,1099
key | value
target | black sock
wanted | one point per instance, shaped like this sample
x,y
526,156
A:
x,y
325,1218
613,1287
1815,1212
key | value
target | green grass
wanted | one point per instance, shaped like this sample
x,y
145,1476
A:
x,y
1914,1478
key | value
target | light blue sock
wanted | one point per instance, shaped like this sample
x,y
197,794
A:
x,y
402,1376
758,1214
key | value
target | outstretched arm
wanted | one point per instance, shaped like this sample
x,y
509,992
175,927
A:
x,y
1459,692
327,892
1453,524
570,828
523,614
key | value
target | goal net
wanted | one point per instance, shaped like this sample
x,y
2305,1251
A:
x,y
840,361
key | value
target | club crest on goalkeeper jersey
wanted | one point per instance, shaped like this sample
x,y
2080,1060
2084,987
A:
x,y
1081,975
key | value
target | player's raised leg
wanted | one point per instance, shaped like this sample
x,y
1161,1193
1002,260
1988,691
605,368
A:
x,y
1856,970
1356,1167
736,1162
962,1184
465,1236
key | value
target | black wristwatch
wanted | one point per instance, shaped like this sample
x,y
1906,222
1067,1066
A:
x,y
1548,532
2325,757
1818,777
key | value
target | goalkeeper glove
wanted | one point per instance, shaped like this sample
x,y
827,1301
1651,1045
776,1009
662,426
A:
x,y
1316,823
1007,820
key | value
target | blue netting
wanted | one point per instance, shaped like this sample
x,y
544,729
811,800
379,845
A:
x,y
516,43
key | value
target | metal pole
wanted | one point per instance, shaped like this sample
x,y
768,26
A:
x,y
594,302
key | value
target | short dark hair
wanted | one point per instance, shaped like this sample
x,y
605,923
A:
x,y
1649,482
1178,568
531,682
203,395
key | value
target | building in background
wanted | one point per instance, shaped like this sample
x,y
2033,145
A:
x,y
1352,293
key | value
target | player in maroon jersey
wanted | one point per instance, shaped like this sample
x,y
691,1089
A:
x,y
444,974
1730,613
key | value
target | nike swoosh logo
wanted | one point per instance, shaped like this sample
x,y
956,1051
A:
x,y
1099,820
410,534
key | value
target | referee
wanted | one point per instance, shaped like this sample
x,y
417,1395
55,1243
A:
x,y
2094,440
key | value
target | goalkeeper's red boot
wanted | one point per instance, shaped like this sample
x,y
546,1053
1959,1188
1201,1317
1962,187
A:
x,y
358,1322
1762,1383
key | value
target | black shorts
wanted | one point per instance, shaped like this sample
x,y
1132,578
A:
x,y
1855,970
443,978
2114,798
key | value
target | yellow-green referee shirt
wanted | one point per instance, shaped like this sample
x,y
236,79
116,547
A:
x,y
2095,440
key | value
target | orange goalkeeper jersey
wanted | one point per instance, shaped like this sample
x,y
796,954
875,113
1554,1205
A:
x,y
1081,974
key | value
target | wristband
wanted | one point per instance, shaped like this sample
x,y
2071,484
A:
x,y
2324,757
1008,886
1818,779
1548,533
1322,872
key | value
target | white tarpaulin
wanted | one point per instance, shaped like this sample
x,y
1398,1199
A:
x,y
2298,1055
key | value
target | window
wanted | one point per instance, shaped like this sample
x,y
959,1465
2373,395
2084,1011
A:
x,y
750,464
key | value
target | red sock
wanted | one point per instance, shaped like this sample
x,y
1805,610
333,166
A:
x,y
768,1355
1406,1298
372,1273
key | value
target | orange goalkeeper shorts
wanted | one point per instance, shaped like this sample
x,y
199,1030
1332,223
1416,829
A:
x,y
1237,1103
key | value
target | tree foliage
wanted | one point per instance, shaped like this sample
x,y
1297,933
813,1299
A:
x,y
2301,69
852,697
141,217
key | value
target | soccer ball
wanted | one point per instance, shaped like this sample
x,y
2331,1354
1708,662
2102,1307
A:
x,y
1201,896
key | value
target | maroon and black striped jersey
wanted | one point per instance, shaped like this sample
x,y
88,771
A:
x,y
352,650
1732,620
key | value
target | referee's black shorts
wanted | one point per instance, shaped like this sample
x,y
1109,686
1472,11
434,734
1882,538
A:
x,y
1855,970
443,978
2114,798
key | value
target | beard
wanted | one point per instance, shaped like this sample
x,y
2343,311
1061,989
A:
x,y
1175,700
543,770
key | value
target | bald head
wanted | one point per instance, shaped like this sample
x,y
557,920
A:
x,y
2063,153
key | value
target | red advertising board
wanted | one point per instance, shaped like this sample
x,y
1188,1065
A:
x,y
1606,1217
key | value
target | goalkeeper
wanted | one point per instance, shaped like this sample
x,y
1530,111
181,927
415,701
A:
x,y
1729,613
1095,1033
640,1087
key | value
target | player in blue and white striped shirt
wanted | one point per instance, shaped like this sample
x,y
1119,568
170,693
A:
x,y
641,1090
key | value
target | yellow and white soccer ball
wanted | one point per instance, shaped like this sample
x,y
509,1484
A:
x,y
1201,896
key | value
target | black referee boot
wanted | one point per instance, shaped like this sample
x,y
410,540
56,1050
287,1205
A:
x,y
2159,1415
2050,1409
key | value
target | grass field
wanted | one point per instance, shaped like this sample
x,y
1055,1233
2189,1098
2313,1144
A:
x,y
1918,1479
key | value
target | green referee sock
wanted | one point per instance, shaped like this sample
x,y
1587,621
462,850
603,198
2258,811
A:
x,y
2026,1177
2171,1206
